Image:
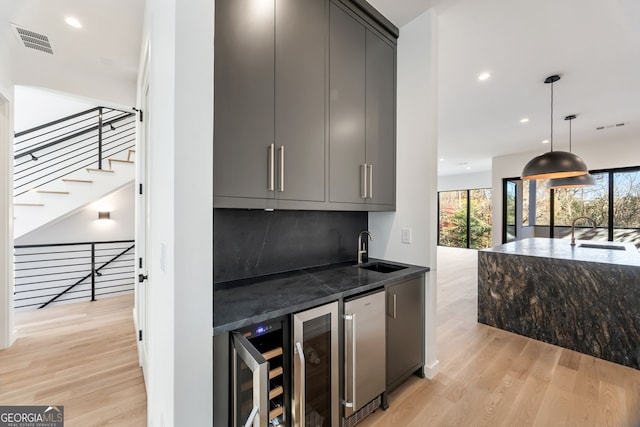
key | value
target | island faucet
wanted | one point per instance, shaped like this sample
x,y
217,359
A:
x,y
573,227
361,246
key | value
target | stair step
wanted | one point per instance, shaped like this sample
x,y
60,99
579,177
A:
x,y
130,153
87,181
99,170
50,192
28,204
119,161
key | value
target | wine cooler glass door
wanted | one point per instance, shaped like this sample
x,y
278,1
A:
x,y
315,367
250,384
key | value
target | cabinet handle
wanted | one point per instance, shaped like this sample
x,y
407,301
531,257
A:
x,y
370,168
395,306
281,168
363,178
300,376
271,186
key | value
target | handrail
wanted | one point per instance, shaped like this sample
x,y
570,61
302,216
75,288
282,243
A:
x,y
42,268
75,135
55,122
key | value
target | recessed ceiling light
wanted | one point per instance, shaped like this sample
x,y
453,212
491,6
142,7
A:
x,y
442,159
546,141
73,22
484,76
468,168
524,120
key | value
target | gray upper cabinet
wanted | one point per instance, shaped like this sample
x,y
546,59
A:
x,y
347,40
380,119
304,105
270,90
300,87
362,114
244,96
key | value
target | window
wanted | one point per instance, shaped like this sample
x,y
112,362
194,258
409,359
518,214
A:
x,y
464,218
614,203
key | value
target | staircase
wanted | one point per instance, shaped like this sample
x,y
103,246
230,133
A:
x,y
67,164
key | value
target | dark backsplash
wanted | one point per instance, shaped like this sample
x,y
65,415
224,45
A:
x,y
249,243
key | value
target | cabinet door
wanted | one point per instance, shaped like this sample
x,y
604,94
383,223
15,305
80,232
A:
x,y
380,123
300,94
347,106
244,98
405,330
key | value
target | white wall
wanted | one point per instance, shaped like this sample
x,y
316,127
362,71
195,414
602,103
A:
x,y
467,181
607,153
35,106
416,185
83,225
7,333
180,298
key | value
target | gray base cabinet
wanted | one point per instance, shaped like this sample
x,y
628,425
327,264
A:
x,y
405,330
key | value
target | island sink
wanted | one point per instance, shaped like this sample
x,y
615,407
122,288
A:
x,y
599,246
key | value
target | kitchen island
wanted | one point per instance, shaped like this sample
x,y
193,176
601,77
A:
x,y
584,297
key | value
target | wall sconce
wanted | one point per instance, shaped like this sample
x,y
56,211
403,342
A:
x,y
104,215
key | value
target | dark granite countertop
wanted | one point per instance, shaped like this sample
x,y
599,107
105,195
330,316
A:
x,y
245,302
562,249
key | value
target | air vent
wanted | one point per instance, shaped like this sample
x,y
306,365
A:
x,y
616,125
33,40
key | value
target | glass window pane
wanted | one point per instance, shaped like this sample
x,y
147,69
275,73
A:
x,y
510,214
626,207
480,221
592,201
453,218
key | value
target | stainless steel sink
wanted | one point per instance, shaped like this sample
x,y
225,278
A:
x,y
599,246
381,267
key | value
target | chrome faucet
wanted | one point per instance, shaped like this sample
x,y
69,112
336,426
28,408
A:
x,y
361,246
573,227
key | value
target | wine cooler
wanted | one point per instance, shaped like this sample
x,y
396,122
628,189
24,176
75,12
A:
x,y
260,374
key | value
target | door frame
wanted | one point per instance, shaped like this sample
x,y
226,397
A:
x,y
143,258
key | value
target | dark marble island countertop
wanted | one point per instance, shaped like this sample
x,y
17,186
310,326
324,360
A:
x,y
562,250
245,302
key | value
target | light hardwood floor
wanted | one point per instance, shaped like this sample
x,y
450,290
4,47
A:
x,y
489,377
82,356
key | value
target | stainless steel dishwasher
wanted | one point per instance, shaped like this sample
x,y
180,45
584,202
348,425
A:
x,y
365,356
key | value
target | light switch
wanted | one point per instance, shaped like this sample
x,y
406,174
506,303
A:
x,y
406,235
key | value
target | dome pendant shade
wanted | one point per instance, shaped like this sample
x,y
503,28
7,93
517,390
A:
x,y
554,164
572,182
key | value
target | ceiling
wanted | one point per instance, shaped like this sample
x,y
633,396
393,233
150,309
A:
x,y
593,44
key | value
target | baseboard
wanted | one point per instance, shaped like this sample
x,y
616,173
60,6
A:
x,y
432,370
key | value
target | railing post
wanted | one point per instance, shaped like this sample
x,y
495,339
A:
x,y
93,272
100,138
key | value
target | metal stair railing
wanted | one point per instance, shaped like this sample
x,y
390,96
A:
x,y
47,273
53,150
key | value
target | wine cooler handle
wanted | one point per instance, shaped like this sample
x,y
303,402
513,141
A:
x,y
301,390
252,416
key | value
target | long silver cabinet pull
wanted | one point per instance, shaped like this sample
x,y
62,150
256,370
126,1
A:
x,y
281,168
370,170
395,306
363,178
271,171
302,379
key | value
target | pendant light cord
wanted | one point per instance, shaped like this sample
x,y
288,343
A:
x,y
570,120
551,138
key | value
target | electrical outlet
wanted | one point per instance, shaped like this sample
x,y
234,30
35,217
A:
x,y
406,235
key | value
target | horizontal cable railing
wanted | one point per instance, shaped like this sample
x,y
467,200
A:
x,y
53,150
46,274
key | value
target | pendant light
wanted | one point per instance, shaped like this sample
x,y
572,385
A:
x,y
554,164
573,181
